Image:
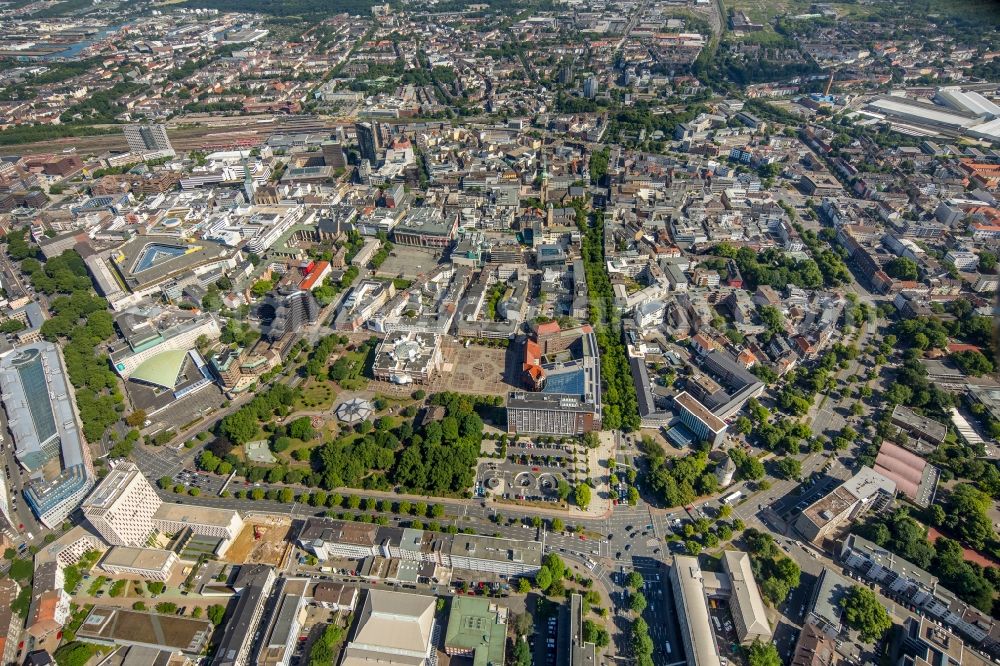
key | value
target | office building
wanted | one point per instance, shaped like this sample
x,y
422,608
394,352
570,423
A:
x,y
477,628
147,138
224,524
117,626
140,563
253,585
408,357
864,491
333,154
702,423
226,365
687,581
581,652
749,614
42,417
824,610
392,629
286,312
590,87
333,539
121,509
50,605
919,588
544,413
362,302
693,588
368,141
918,426
10,622
283,627
565,397
927,644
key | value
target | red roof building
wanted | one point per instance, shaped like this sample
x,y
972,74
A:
x,y
316,276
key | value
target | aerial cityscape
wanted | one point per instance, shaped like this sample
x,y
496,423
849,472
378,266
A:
x,y
481,333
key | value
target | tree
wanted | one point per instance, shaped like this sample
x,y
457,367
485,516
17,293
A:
x,y
523,586
261,287
523,623
558,525
972,362
582,496
543,579
301,428
596,634
638,603
522,653
789,467
74,654
935,515
635,580
902,268
762,654
864,612
987,261
155,587
772,318
136,419
967,515
563,490
216,613
21,570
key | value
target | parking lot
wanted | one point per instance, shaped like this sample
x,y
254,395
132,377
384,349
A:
x,y
173,413
158,463
722,626
531,472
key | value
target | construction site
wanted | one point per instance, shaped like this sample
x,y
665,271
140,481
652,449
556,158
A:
x,y
264,540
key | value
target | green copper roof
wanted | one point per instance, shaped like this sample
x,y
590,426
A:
x,y
162,369
472,625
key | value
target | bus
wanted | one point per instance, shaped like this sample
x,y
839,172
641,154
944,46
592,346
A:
x,y
732,498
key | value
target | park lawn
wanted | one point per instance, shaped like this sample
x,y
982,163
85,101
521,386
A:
x,y
286,455
316,395
349,369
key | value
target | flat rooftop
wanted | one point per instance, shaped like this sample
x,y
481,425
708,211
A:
x,y
126,627
199,515
148,260
688,402
828,507
147,559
